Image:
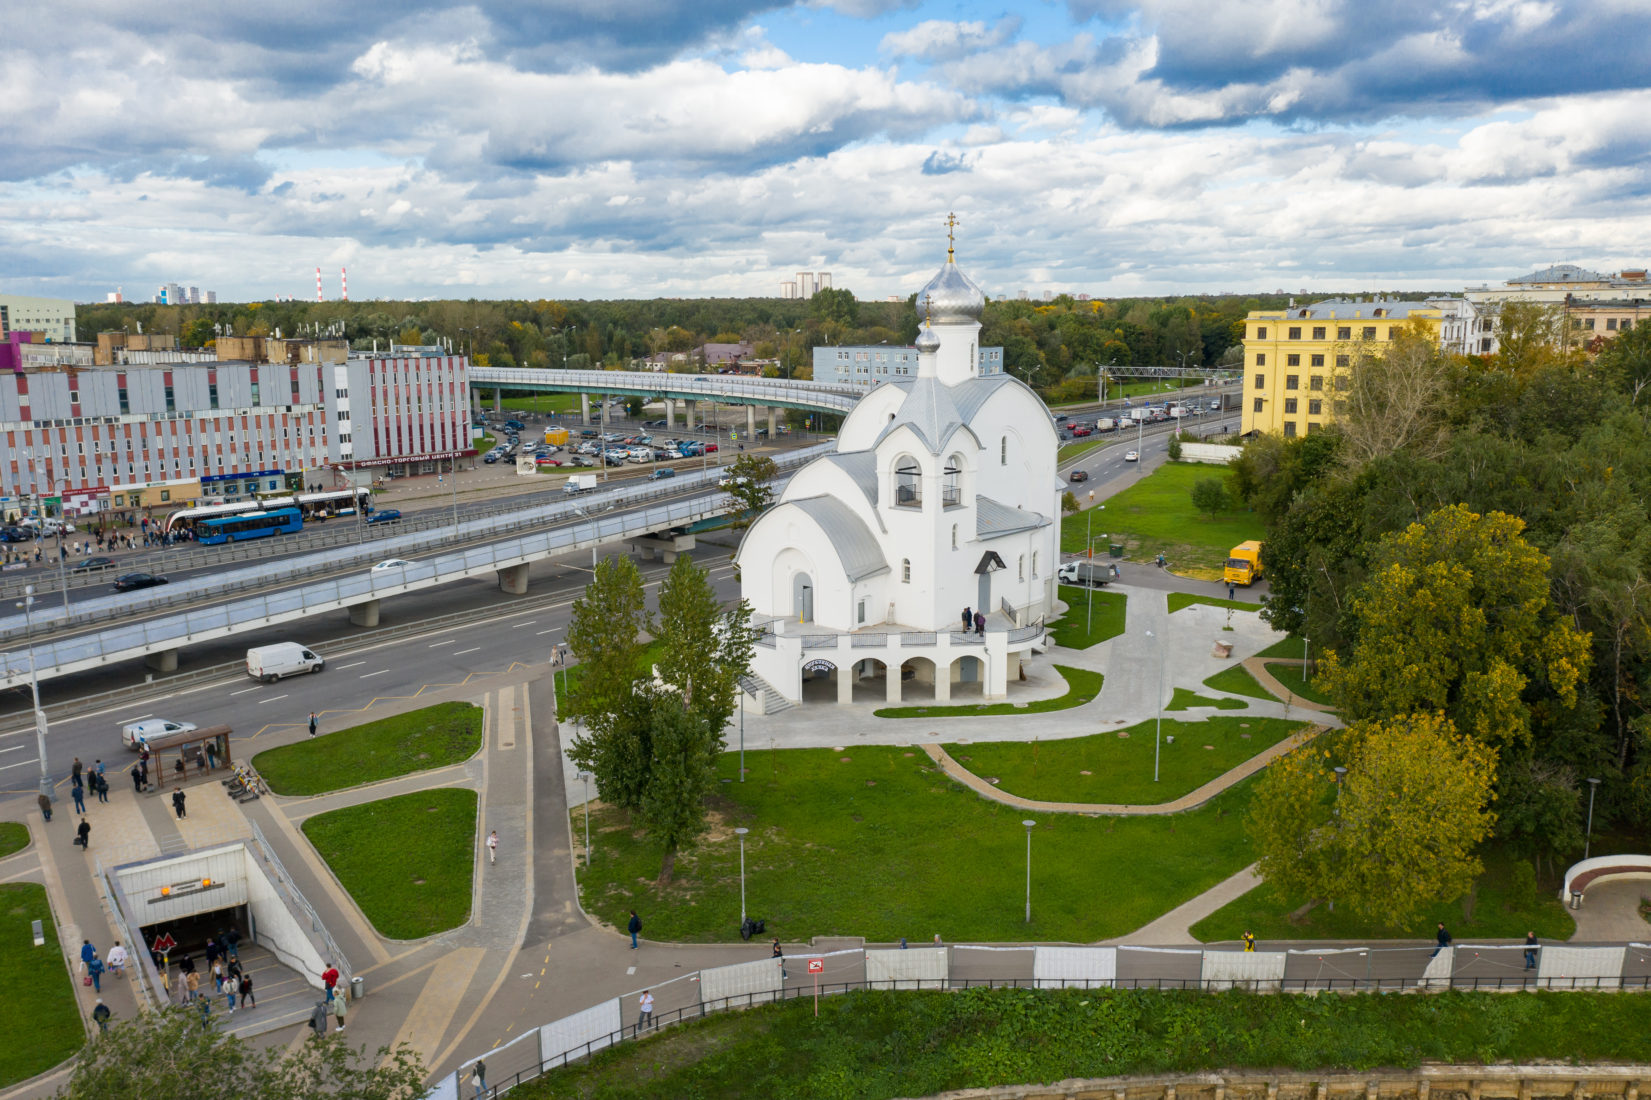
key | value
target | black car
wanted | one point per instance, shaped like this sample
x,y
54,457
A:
x,y
1077,475
128,582
94,563
16,534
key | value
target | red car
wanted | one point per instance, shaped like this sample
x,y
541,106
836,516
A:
x,y
709,447
1081,431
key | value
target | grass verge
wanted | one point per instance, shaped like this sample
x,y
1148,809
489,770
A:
x,y
36,989
1186,700
1155,515
430,737
877,1045
1082,686
1071,630
876,842
1292,678
407,861
14,837
1499,910
1286,647
1236,680
1116,766
1071,452
1178,600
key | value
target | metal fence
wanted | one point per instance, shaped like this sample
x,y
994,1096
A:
x,y
138,963
299,905
826,397
762,980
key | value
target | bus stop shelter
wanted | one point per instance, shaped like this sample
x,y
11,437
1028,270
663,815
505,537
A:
x,y
179,758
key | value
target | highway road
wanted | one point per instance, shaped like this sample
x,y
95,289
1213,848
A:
x,y
520,629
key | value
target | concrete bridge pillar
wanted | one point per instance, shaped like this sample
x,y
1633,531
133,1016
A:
x,y
688,410
498,399
773,422
670,413
165,660
513,579
364,614
750,422
584,409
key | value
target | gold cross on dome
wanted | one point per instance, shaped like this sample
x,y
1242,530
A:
x,y
951,236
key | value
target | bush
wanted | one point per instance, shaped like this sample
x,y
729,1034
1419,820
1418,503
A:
x,y
1069,502
1210,496
1174,449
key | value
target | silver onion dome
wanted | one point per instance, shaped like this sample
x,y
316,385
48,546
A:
x,y
951,297
928,340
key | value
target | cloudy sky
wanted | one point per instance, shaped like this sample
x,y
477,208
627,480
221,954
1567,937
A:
x,y
619,148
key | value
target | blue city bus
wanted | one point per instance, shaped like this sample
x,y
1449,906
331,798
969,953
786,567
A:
x,y
254,525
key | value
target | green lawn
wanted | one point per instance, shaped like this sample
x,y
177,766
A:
x,y
1289,646
1110,767
875,842
1291,677
536,402
1108,617
1178,600
1236,680
884,1044
1155,515
1186,700
431,737
407,861
1071,452
14,837
37,999
1498,912
1081,687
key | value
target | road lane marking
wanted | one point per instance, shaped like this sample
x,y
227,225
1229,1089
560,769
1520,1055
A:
x,y
462,652
9,767
352,664
243,691
380,672
444,641
271,699
14,748
519,626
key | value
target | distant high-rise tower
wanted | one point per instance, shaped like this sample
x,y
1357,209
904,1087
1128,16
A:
x,y
805,284
788,289
212,297
194,295
823,279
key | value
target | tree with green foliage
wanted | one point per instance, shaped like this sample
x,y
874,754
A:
x,y
704,649
835,304
749,482
606,632
1455,617
1210,496
1173,448
169,1054
682,774
1626,361
1398,835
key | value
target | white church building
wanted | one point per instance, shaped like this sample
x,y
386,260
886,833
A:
x,y
942,495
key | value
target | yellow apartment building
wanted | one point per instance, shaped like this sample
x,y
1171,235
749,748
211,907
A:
x,y
1296,359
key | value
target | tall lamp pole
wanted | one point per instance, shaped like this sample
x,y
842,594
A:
x,y
1587,844
34,690
1028,823
1158,736
740,832
586,776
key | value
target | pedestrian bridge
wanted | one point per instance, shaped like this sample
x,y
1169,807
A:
x,y
592,519
673,389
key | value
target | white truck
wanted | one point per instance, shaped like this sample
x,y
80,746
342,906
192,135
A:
x,y
1088,573
1105,424
270,663
579,483
1142,413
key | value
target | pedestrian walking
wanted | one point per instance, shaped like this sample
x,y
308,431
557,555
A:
x,y
1443,936
95,970
980,622
968,619
247,999
101,1015
1230,591
318,1018
205,1006
329,978
478,1077
45,801
137,778
87,954
492,845
117,960
634,927
74,772
1530,950
646,1015
79,794
83,835
1249,941
231,988
97,766
312,723
212,951
191,986
339,1008
102,788
218,976
177,803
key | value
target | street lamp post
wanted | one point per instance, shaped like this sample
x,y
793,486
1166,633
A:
x,y
587,777
1587,844
1028,823
1158,735
1089,556
1341,776
742,732
34,690
740,832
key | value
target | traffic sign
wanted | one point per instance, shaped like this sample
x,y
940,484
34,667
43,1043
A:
x,y
816,966
165,943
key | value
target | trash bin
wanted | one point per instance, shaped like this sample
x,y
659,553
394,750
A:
x,y
1576,899
357,988
1115,550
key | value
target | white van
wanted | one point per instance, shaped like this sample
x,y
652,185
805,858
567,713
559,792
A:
x,y
134,734
271,662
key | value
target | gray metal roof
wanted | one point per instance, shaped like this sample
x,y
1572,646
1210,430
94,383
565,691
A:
x,y
1344,309
861,466
851,540
930,412
1561,273
993,519
971,395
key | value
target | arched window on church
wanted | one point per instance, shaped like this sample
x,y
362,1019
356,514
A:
x,y
1003,451
951,489
954,536
905,570
908,483
1022,565
1034,565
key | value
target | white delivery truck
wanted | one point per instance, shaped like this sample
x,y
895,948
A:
x,y
579,483
1089,573
271,662
1105,424
134,735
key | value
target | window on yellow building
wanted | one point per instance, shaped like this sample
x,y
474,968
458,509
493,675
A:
x,y
1261,359
1318,332
1292,360
1344,360
1290,405
1258,404
1317,361
1295,333
1261,332
1260,382
1289,429
1315,381
1345,332
1610,324
1292,381
1369,332
1341,381
1315,407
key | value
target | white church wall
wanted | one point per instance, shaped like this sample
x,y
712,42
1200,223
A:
x,y
870,415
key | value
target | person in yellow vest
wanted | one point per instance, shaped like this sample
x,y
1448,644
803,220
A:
x,y
1249,941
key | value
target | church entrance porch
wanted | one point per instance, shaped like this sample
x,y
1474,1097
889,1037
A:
x,y
918,683
968,678
871,681
824,682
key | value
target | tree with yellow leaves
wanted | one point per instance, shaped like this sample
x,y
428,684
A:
x,y
1398,835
